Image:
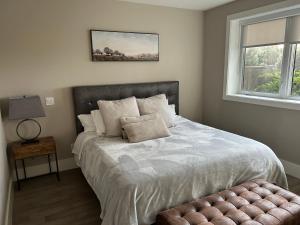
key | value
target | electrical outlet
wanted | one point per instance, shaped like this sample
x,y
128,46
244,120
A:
x,y
50,101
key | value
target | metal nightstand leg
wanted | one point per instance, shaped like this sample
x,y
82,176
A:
x,y
57,170
49,162
17,175
24,169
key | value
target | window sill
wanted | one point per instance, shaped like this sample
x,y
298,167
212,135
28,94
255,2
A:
x,y
265,101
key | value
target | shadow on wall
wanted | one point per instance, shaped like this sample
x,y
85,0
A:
x,y
4,107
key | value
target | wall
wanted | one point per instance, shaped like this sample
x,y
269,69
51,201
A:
x,y
278,128
45,50
4,174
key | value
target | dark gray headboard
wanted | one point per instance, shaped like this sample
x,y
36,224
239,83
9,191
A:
x,y
85,97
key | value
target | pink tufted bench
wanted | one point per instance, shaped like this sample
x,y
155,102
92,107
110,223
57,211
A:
x,y
252,203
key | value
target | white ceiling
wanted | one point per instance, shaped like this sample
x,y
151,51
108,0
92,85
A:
x,y
184,4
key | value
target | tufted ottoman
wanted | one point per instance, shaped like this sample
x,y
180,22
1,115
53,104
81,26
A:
x,y
252,203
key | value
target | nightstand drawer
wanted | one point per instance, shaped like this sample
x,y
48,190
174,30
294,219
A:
x,y
27,152
44,147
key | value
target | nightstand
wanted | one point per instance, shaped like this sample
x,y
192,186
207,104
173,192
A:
x,y
45,147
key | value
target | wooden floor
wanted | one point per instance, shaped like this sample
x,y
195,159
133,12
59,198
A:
x,y
44,201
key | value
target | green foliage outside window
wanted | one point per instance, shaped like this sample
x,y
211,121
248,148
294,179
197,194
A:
x,y
264,56
270,58
269,82
296,83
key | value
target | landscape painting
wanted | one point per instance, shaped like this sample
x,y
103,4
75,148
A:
x,y
124,46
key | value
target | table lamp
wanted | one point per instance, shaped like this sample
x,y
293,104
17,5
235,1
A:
x,y
25,108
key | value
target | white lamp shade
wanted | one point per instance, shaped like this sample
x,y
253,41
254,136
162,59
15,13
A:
x,y
25,107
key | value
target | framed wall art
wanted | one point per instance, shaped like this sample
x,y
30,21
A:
x,y
124,46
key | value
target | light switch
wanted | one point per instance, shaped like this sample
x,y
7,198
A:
x,y
50,101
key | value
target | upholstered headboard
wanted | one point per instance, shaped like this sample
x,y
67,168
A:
x,y
85,97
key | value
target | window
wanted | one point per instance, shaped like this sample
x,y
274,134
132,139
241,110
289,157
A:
x,y
296,73
263,47
263,56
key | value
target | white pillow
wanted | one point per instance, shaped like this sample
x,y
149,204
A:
x,y
172,110
145,127
157,104
112,111
98,121
87,122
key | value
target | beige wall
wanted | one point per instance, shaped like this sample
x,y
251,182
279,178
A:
x,y
278,128
45,50
4,174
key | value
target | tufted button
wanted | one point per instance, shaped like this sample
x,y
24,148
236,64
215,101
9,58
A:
x,y
252,203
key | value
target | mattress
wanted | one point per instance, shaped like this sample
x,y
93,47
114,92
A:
x,y
134,182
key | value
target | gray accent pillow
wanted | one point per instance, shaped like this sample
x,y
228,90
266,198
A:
x,y
112,111
144,128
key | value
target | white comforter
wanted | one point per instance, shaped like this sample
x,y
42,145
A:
x,y
136,181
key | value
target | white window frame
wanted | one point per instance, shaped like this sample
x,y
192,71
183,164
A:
x,y
232,90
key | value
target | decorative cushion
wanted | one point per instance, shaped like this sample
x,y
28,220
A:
x,y
128,120
156,104
252,203
136,119
172,112
112,111
87,122
144,128
98,121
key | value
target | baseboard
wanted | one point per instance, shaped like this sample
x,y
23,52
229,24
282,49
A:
x,y
9,203
291,168
31,171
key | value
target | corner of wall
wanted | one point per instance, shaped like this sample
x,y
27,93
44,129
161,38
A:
x,y
291,168
9,203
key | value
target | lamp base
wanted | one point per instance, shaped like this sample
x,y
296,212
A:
x,y
33,140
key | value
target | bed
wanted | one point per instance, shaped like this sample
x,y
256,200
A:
x,y
134,182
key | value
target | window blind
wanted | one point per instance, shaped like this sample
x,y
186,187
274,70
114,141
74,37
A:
x,y
265,33
293,36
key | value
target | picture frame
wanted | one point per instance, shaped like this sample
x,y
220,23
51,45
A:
x,y
124,46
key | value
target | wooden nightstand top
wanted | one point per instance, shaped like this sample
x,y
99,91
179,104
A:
x,y
46,145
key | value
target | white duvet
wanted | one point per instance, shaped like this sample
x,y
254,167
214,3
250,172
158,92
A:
x,y
136,181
